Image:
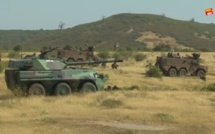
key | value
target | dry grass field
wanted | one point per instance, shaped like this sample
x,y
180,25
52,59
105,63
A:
x,y
158,106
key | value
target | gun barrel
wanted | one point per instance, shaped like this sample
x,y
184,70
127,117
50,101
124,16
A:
x,y
43,53
93,62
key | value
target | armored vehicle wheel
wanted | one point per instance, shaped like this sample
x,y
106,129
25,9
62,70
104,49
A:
x,y
172,72
62,89
88,87
200,73
36,89
182,72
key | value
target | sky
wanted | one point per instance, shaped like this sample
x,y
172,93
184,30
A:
x,y
47,14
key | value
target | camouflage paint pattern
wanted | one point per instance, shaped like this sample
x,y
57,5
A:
x,y
189,64
25,72
77,55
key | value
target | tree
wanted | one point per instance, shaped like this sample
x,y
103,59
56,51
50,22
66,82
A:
x,y
163,15
17,48
192,20
61,25
103,19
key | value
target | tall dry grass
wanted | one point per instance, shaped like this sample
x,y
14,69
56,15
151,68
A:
x,y
176,102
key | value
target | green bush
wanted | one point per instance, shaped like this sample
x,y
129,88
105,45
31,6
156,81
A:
x,y
140,57
111,103
126,54
122,54
164,117
210,87
116,55
13,55
153,71
17,48
3,65
1,68
103,55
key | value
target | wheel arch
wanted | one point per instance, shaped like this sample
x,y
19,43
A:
x,y
199,70
70,58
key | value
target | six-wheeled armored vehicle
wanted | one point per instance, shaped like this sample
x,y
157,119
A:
x,y
174,64
76,55
40,76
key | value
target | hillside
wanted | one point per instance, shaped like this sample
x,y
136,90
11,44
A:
x,y
127,30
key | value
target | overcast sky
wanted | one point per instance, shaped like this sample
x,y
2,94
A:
x,y
46,14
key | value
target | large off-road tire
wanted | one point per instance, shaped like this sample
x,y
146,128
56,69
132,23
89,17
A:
x,y
200,73
182,72
88,87
172,72
62,89
36,89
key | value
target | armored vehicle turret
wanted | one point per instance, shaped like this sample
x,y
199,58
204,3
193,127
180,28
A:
x,y
41,76
174,64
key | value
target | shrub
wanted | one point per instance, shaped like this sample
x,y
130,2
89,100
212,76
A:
x,y
13,55
140,57
164,117
3,65
116,55
122,54
210,87
104,55
153,71
1,68
126,54
17,48
111,103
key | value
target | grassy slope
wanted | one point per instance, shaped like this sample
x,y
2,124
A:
x,y
172,102
115,29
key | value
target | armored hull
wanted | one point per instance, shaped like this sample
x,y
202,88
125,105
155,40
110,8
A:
x,y
51,77
173,65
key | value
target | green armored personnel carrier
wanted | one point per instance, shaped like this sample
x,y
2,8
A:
x,y
40,76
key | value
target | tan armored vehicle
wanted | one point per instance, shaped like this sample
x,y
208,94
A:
x,y
77,55
174,64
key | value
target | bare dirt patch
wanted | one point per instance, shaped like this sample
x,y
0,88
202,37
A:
x,y
153,39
